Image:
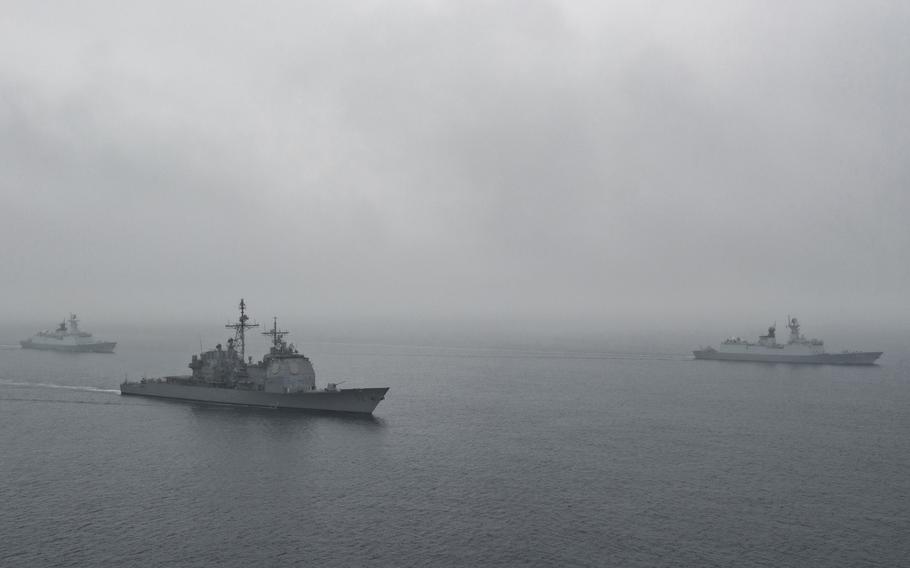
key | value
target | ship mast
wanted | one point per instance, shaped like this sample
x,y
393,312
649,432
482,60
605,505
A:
x,y
275,333
240,329
793,324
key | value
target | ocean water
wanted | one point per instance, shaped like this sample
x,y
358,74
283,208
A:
x,y
508,451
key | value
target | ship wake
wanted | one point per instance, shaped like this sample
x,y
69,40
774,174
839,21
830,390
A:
x,y
21,384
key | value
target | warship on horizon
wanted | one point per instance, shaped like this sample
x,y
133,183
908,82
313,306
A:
x,y
72,340
283,379
798,349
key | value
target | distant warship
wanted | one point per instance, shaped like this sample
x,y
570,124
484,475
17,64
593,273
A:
x,y
284,378
69,338
798,349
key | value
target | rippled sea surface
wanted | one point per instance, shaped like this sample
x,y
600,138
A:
x,y
508,452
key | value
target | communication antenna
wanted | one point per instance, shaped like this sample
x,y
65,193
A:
x,y
275,333
240,329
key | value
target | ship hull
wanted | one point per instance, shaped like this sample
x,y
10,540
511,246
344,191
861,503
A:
x,y
99,347
852,358
360,401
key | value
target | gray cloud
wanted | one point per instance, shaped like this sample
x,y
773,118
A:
x,y
527,160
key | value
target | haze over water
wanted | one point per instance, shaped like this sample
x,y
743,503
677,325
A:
x,y
499,451
521,217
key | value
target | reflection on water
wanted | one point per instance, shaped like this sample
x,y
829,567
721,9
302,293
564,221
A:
x,y
551,454
278,415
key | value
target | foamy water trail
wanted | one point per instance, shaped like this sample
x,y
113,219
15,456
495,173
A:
x,y
6,382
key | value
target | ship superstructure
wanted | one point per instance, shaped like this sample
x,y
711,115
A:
x,y
283,378
797,349
68,337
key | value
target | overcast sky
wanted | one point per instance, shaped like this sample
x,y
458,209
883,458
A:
x,y
591,161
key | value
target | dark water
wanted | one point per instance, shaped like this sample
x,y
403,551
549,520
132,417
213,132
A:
x,y
556,452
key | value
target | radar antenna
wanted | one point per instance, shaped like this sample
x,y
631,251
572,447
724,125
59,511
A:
x,y
240,329
275,333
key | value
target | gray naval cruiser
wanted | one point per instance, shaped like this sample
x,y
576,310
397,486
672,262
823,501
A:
x,y
798,349
68,338
283,379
